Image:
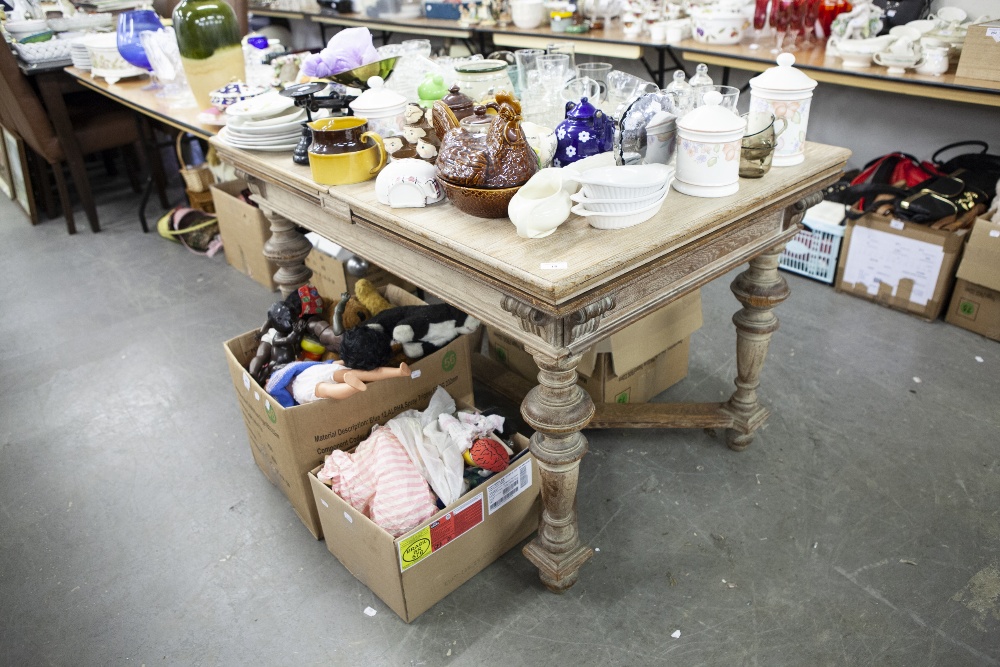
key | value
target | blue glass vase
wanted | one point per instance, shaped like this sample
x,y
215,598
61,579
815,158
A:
x,y
130,26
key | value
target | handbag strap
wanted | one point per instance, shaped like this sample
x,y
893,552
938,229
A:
x,y
971,142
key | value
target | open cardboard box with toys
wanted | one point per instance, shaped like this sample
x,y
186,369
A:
x,y
414,568
288,442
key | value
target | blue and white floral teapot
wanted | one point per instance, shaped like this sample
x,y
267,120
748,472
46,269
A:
x,y
586,131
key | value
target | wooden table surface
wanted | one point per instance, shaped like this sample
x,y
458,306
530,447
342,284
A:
x,y
131,93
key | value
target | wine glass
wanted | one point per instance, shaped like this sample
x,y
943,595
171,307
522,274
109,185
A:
x,y
131,25
781,14
809,19
759,22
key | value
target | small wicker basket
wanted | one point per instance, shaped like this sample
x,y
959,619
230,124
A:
x,y
196,178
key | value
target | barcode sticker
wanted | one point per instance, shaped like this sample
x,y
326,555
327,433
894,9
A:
x,y
897,224
505,490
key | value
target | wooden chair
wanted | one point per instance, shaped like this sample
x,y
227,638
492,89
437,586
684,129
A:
x,y
94,124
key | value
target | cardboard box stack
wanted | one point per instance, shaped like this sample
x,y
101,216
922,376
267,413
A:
x,y
330,275
289,442
902,265
631,366
244,231
975,303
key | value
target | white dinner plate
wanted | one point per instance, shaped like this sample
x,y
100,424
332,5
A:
x,y
241,126
263,138
276,147
261,106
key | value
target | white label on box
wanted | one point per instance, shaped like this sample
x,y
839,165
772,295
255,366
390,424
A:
x,y
505,490
994,233
246,381
994,33
415,374
440,532
875,257
347,516
256,396
326,504
546,266
897,224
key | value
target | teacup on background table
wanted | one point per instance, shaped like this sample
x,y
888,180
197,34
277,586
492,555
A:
x,y
758,143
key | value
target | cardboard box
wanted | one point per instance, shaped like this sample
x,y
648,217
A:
x,y
980,57
413,572
631,366
902,265
975,303
289,442
244,231
331,279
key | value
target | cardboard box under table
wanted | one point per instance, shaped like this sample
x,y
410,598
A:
x,y
289,442
331,278
244,231
898,264
632,365
414,571
975,303
980,57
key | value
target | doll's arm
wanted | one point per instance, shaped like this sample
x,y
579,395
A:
x,y
381,373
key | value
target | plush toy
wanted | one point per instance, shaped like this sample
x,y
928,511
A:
x,y
370,298
281,335
487,454
420,330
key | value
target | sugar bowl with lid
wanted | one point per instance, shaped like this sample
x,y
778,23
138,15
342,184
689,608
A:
x,y
708,151
787,93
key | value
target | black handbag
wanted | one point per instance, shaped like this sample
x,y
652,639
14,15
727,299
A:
x,y
900,12
981,169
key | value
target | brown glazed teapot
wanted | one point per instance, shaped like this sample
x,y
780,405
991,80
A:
x,y
485,151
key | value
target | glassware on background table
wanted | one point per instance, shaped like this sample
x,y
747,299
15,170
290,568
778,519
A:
x,y
596,72
781,11
566,48
165,59
131,25
759,23
809,20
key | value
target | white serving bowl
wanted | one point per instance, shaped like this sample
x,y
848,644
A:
x,y
21,29
527,14
626,182
617,205
601,220
105,60
715,25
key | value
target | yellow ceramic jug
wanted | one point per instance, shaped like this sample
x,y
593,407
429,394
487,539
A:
x,y
343,151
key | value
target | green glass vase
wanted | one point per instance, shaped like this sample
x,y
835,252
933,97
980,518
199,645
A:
x,y
208,37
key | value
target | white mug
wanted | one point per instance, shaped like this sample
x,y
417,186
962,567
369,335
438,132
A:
x,y
935,62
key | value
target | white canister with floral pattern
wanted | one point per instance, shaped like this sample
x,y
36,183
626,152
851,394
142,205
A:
x,y
708,150
787,93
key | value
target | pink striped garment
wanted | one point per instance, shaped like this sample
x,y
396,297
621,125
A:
x,y
379,480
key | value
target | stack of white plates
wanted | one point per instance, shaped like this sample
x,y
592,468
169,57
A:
x,y
79,55
619,197
267,122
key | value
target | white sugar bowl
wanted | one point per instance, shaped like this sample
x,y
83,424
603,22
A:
x,y
385,109
787,93
708,150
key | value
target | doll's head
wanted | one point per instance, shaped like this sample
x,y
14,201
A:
x,y
365,348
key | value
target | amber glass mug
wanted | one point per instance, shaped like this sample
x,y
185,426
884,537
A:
x,y
759,141
344,151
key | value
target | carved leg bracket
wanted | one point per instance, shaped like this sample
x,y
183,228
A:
x,y
558,409
760,288
287,248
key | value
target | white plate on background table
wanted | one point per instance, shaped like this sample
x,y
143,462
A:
x,y
282,145
241,127
262,141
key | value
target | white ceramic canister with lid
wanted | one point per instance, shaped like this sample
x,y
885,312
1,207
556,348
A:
x,y
708,150
385,109
787,93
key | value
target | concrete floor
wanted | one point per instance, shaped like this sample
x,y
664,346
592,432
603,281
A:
x,y
861,528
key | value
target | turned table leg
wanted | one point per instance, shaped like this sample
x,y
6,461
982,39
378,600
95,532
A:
x,y
558,409
760,288
288,249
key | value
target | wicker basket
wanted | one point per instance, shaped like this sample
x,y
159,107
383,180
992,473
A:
x,y
196,179
201,200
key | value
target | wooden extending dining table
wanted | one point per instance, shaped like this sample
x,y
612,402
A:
x,y
562,294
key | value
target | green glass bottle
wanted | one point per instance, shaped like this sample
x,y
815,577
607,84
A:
x,y
208,37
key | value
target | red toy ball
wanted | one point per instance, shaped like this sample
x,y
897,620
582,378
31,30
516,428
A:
x,y
489,455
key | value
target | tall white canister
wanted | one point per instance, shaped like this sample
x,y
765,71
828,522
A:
x,y
708,150
787,93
